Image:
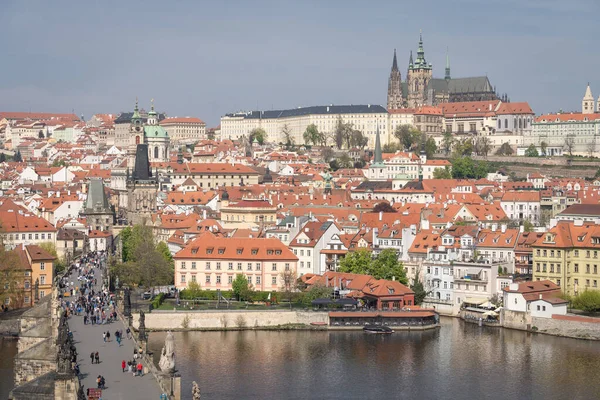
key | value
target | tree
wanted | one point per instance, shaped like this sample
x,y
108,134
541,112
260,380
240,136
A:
x,y
384,207
591,148
430,147
59,265
327,154
482,145
288,283
527,226
390,148
418,288
544,148
447,143
259,134
587,301
356,262
193,290
287,136
317,291
144,262
11,278
569,144
442,173
387,266
312,135
342,133
241,287
17,157
504,150
464,147
467,168
357,139
344,161
408,136
532,151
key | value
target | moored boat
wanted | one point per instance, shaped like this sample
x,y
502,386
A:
x,y
382,330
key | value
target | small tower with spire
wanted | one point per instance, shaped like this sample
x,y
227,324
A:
x,y
394,98
447,74
377,167
587,104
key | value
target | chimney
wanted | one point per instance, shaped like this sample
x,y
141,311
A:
x,y
521,229
380,215
494,227
540,296
503,228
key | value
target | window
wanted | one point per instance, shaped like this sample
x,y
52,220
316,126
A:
x,y
193,264
258,280
558,282
221,250
193,278
250,266
218,279
230,266
183,265
274,280
274,267
308,264
538,308
208,265
42,266
576,268
218,265
308,253
230,279
207,278
587,268
239,251
182,278
239,266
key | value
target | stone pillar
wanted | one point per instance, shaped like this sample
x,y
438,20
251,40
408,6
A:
x,y
65,388
176,386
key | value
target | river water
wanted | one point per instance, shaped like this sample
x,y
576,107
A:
x,y
457,361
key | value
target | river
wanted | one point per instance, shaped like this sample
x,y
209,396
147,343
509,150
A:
x,y
457,361
8,351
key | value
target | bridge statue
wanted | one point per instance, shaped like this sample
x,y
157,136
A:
x,y
167,357
195,391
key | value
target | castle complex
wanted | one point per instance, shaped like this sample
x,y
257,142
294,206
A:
x,y
421,88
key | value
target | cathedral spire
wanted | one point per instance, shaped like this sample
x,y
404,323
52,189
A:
x,y
395,62
136,110
410,60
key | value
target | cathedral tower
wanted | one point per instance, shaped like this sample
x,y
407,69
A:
x,y
394,97
419,75
587,104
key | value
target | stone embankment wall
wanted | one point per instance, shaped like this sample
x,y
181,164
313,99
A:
x,y
572,326
442,308
9,327
569,326
225,319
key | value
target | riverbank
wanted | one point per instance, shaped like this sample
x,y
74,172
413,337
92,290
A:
x,y
236,320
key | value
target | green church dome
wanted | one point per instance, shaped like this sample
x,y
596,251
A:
x,y
155,131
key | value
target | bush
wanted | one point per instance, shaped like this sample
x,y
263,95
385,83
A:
x,y
158,300
587,301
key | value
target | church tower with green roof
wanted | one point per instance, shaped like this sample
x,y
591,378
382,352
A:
x,y
156,137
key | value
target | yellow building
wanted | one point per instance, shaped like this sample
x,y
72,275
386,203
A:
x,y
568,255
27,275
247,213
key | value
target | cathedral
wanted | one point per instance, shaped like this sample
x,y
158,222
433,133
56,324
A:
x,y
421,88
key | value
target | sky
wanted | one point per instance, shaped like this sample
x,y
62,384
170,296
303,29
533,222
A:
x,y
208,58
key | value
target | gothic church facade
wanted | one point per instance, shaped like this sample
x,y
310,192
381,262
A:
x,y
420,87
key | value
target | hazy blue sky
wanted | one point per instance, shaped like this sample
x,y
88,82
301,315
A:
x,y
207,58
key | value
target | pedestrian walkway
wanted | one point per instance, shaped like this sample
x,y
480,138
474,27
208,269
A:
x,y
119,385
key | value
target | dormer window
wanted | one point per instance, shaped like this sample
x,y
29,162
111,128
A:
x,y
254,252
209,251
222,250
239,251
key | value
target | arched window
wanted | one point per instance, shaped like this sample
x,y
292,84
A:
x,y
499,123
505,123
520,123
155,151
137,140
